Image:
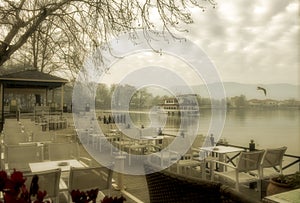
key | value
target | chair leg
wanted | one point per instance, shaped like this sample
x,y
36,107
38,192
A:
x,y
212,174
237,186
259,188
203,172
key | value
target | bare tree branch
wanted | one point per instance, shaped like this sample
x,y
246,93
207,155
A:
x,y
58,29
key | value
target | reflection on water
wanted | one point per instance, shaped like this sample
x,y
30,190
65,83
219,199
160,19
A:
x,y
169,124
268,128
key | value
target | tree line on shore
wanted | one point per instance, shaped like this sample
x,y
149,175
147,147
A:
x,y
142,99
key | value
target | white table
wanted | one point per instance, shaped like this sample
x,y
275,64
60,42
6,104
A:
x,y
222,152
292,196
158,139
222,149
64,165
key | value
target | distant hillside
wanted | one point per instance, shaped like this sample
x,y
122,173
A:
x,y
274,91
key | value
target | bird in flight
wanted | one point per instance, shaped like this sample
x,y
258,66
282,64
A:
x,y
263,89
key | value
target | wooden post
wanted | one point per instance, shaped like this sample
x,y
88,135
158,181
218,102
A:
x,y
62,99
46,97
2,106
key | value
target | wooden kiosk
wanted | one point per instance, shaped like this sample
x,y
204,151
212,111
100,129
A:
x,y
29,82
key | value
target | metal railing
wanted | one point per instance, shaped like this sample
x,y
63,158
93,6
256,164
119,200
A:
x,y
295,159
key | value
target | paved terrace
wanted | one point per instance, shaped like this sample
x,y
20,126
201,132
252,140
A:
x,y
136,186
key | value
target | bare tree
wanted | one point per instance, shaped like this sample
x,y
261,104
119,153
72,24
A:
x,y
70,27
52,51
44,53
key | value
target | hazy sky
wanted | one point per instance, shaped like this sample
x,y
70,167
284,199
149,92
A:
x,y
253,42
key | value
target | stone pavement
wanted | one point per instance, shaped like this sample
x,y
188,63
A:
x,y
27,130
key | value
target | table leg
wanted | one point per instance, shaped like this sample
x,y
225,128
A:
x,y
119,164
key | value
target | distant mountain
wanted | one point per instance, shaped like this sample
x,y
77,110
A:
x,y
274,91
232,89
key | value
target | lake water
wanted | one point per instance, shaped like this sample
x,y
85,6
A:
x,y
267,127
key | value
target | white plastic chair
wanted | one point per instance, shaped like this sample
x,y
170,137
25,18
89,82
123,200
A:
x,y
48,181
164,156
271,164
239,174
84,179
189,163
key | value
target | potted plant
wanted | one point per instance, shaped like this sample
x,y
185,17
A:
x,y
283,183
14,189
90,196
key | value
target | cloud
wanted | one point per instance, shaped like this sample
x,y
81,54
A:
x,y
250,41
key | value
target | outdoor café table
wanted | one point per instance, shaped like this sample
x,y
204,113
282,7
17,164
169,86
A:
x,y
222,152
158,139
96,140
113,135
153,140
292,196
64,165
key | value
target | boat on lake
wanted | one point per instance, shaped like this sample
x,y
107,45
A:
x,y
180,105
